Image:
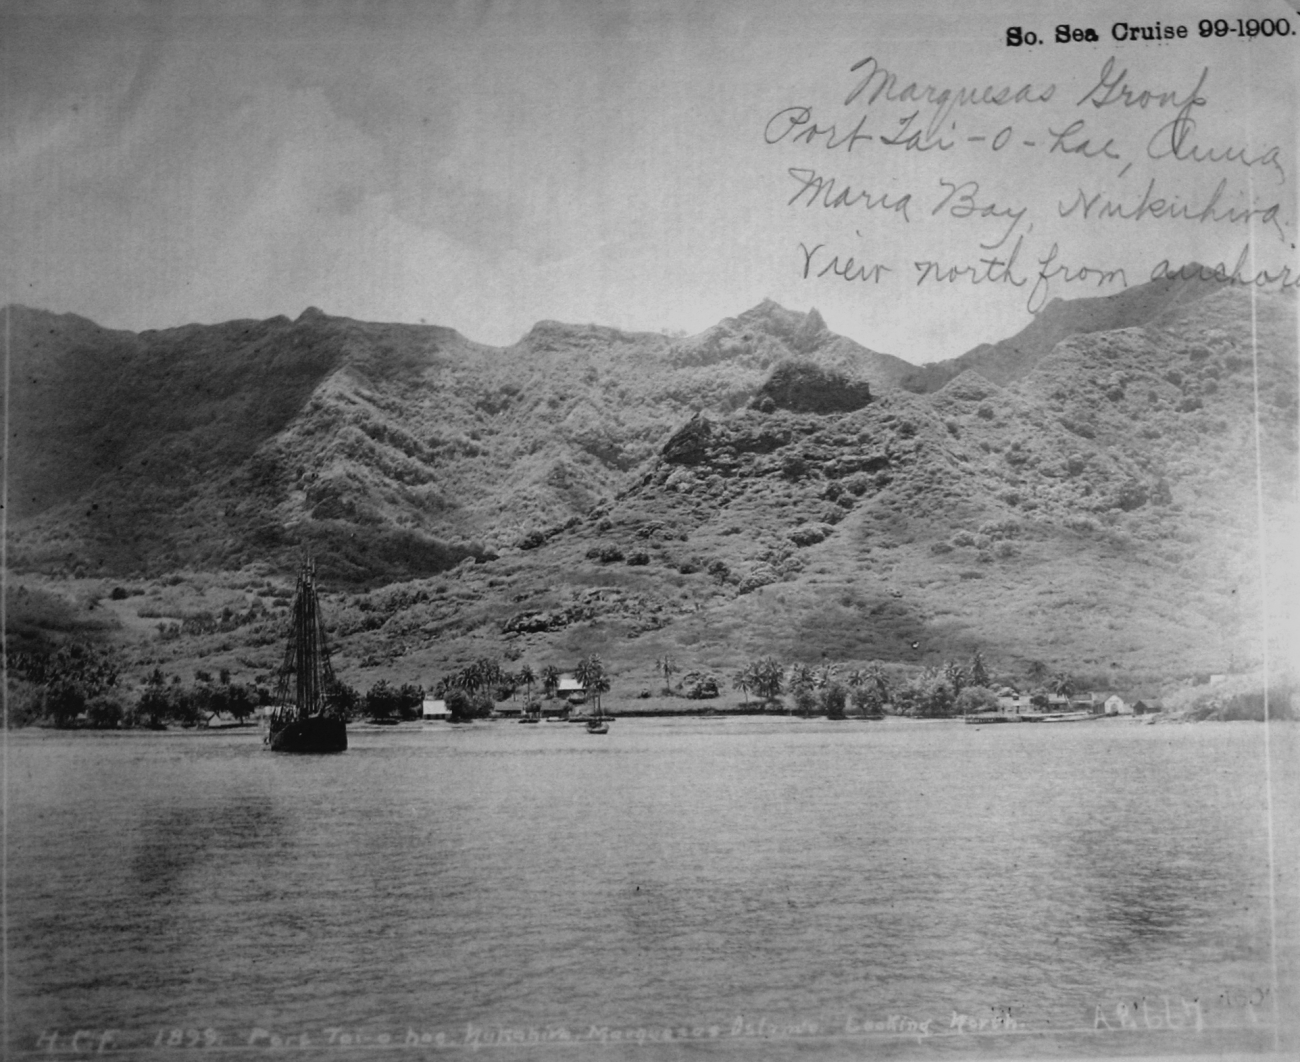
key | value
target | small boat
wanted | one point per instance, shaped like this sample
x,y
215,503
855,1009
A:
x,y
530,719
598,722
1069,717
304,719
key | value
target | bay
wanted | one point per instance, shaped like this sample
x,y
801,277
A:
x,y
679,887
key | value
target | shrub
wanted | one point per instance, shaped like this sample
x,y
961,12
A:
x,y
698,686
459,705
833,699
106,712
759,576
858,484
808,534
1001,529
639,558
381,700
805,700
976,699
867,698
927,695
1132,495
793,466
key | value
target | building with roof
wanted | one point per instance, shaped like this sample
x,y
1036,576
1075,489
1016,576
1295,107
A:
x,y
571,689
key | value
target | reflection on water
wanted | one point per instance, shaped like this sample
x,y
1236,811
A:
x,y
675,872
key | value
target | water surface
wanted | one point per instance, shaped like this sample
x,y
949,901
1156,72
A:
x,y
753,886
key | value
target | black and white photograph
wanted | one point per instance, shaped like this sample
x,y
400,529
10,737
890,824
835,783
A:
x,y
858,443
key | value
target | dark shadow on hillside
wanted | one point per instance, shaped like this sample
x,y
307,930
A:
x,y
852,625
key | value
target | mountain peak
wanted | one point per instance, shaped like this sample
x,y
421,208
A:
x,y
312,313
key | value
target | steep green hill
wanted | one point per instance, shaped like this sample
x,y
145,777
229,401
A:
x,y
711,498
390,450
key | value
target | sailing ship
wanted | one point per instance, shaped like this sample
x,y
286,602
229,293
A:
x,y
304,720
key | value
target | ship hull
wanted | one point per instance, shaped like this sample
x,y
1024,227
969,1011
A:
x,y
317,733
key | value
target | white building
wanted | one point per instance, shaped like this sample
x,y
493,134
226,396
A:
x,y
1116,705
436,709
570,688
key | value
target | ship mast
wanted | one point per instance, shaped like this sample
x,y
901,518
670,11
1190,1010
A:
x,y
306,664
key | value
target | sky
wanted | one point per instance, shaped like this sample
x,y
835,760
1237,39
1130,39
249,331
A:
x,y
487,165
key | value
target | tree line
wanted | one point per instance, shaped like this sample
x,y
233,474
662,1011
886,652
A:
x,y
474,691
80,685
952,688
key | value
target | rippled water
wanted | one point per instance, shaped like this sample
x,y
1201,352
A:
x,y
763,887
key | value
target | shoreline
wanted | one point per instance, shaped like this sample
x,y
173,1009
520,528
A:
x,y
1155,719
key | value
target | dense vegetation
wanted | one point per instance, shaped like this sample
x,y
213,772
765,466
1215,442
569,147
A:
x,y
1093,501
79,685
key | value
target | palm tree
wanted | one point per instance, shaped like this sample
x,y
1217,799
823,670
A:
x,y
826,675
466,679
1062,685
979,673
666,667
870,687
601,685
591,673
802,682
742,680
526,678
875,674
550,679
801,677
955,676
767,675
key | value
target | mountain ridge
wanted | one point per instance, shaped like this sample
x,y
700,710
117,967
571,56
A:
x,y
105,415
1007,359
588,489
